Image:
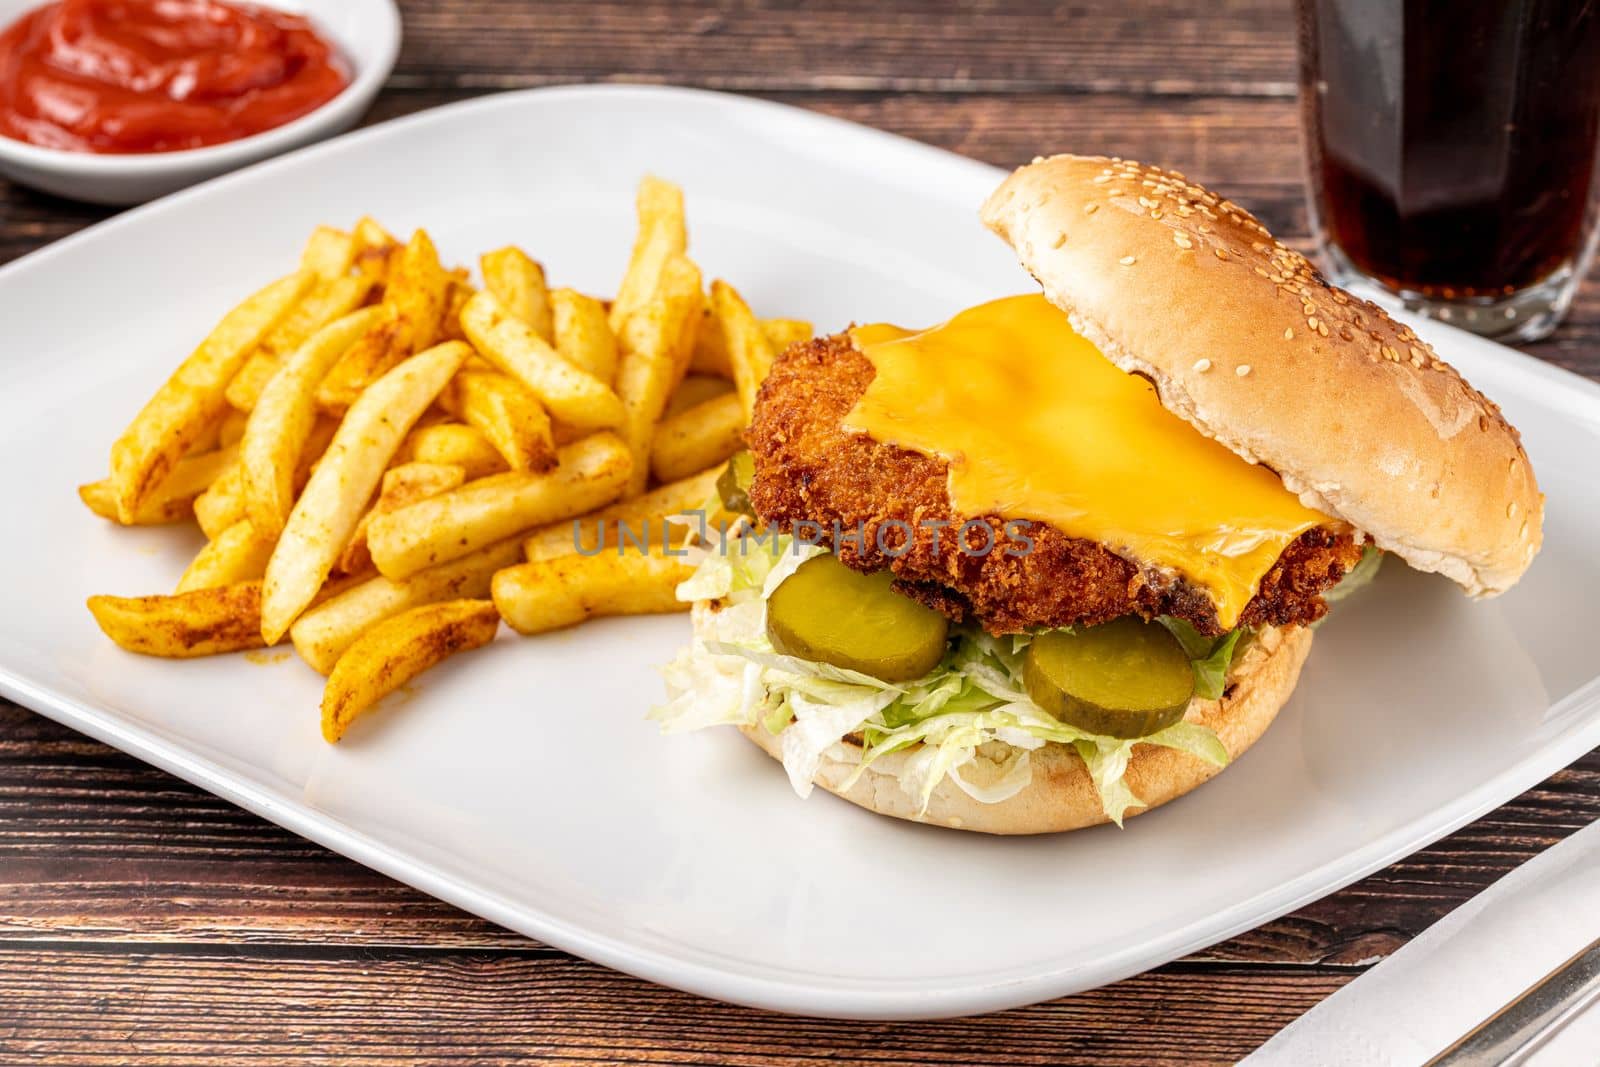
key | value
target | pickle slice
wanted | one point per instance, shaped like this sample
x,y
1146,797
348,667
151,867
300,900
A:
x,y
827,613
733,484
1126,678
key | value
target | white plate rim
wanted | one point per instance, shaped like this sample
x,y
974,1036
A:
x,y
779,990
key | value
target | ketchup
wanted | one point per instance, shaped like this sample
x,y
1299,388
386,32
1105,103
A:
x,y
120,76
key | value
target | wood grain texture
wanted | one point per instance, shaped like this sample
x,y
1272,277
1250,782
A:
x,y
144,921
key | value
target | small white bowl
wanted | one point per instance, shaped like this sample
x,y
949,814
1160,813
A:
x,y
365,32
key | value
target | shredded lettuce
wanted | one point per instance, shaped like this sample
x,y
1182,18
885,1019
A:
x,y
969,719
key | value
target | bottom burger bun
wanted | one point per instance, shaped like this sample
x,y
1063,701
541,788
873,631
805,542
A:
x,y
1061,795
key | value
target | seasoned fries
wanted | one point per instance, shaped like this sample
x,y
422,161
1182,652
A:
x,y
710,354
415,298
590,473
174,499
200,623
193,397
750,354
582,334
223,502
695,439
572,395
552,594
396,651
283,418
402,485
332,502
663,236
322,634
457,445
508,415
696,389
385,452
656,342
328,253
237,554
517,282
600,527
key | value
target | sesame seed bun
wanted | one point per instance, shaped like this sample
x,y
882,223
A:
x,y
1244,339
1060,795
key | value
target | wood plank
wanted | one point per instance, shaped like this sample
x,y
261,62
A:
x,y
87,1008
1246,148
1168,47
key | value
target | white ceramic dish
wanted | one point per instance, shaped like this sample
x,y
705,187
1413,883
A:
x,y
523,783
367,35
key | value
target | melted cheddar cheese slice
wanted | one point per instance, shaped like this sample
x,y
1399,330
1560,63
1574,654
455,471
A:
x,y
1036,424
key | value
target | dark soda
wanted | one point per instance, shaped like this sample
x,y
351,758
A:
x,y
1452,143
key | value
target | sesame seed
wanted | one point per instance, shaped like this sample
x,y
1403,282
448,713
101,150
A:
x,y
1222,255
1101,179
1060,240
1242,369
1312,322
1322,328
1511,510
1202,365
1288,334
1127,261
1090,209
1390,353
1180,240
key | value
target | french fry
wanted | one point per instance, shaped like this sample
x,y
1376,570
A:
x,y
693,440
230,431
323,633
244,389
655,352
329,301
461,290
332,502
396,651
376,251
750,354
173,500
663,235
283,419
782,333
455,444
238,554
402,485
710,354
508,414
696,389
182,409
562,591
518,283
570,394
223,502
590,473
414,304
583,335
328,253
599,528
204,622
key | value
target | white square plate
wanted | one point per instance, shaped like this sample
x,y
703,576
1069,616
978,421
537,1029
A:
x,y
523,783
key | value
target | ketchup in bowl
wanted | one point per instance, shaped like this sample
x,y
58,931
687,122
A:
x,y
126,76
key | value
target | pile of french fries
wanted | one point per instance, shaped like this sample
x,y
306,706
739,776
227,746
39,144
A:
x,y
387,460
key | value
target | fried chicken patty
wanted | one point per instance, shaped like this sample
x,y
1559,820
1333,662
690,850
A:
x,y
811,472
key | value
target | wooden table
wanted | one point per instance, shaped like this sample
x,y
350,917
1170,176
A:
x,y
144,921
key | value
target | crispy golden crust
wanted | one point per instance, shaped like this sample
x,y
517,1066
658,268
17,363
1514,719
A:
x,y
809,470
